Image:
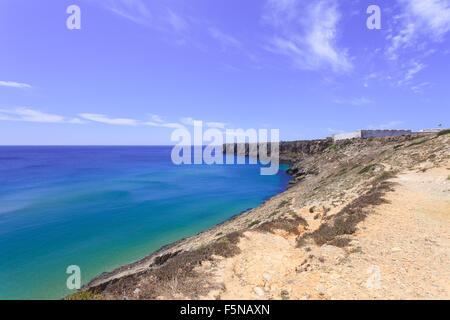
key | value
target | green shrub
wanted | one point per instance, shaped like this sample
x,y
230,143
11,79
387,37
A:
x,y
341,172
367,168
443,132
273,213
254,223
417,143
282,204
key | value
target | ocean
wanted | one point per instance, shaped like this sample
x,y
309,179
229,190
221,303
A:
x,y
103,207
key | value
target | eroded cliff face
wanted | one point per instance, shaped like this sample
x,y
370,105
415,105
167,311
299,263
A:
x,y
290,151
354,208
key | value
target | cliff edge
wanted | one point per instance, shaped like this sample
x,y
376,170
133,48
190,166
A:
x,y
362,219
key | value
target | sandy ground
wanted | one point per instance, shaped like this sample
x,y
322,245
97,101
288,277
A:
x,y
401,251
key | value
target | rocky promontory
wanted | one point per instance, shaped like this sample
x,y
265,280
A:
x,y
362,219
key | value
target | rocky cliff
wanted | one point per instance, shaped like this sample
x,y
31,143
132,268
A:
x,y
290,151
363,219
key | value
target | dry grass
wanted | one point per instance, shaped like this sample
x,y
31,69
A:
x,y
173,273
286,224
345,221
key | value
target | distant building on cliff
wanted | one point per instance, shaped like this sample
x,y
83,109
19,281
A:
x,y
430,130
365,134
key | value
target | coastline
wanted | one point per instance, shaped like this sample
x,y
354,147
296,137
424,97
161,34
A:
x,y
315,213
176,246
291,152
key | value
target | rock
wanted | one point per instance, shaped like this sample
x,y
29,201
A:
x,y
258,291
284,294
136,291
266,277
320,289
396,249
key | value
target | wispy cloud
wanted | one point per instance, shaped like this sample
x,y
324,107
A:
x,y
415,67
218,125
354,101
149,14
306,32
156,118
107,120
30,115
331,130
419,22
133,10
433,15
13,84
177,22
386,126
157,121
420,87
190,122
224,39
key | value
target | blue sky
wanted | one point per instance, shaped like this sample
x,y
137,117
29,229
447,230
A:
x,y
137,69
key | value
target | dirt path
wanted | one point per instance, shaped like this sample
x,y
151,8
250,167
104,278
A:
x,y
400,251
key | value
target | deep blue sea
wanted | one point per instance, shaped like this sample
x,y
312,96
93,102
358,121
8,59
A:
x,y
103,207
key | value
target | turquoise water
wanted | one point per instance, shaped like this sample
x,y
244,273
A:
x,y
102,207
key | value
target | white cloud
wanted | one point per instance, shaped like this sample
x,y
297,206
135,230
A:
x,y
173,125
133,10
420,21
307,33
157,121
176,21
386,126
411,72
156,118
224,39
13,84
354,101
331,130
420,87
155,15
187,121
190,122
105,119
434,15
218,125
30,115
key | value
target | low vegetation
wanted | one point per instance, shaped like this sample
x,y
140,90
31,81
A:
x,y
345,221
84,295
285,224
283,204
367,168
417,143
254,223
